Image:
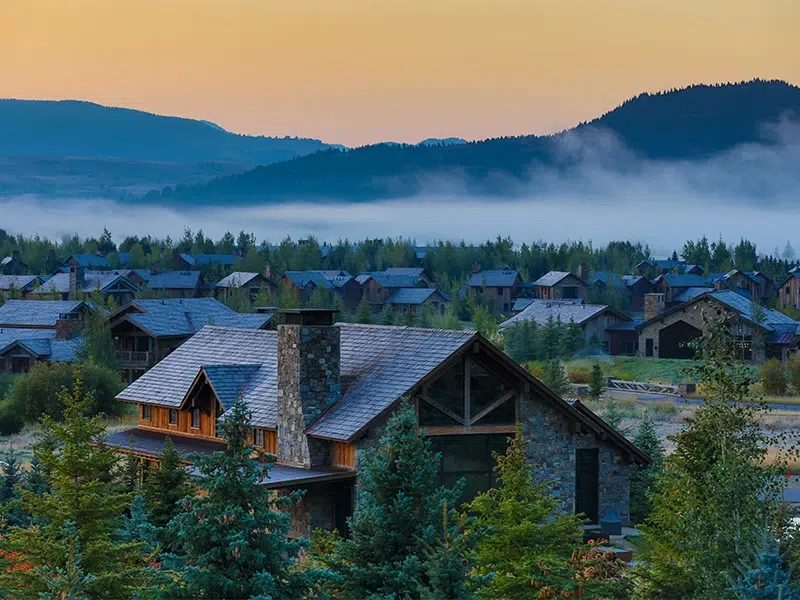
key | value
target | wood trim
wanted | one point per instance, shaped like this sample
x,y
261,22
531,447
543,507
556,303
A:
x,y
446,411
476,430
497,402
467,389
343,454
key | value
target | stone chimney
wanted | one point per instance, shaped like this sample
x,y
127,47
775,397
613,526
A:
x,y
308,382
653,305
583,272
67,327
77,280
267,271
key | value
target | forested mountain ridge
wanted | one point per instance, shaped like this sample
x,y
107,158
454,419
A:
x,y
688,124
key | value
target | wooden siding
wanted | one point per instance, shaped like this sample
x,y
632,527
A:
x,y
270,441
159,419
343,455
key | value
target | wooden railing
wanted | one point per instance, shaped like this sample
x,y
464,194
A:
x,y
127,358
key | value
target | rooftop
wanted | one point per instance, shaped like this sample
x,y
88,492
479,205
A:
x,y
551,278
494,278
59,283
541,311
174,280
18,282
37,312
202,260
90,261
41,343
236,279
411,295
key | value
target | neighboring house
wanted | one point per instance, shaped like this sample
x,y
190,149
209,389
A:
x,y
789,292
336,281
145,331
378,286
676,288
13,265
87,261
177,284
634,287
79,283
33,331
184,261
18,286
252,283
653,268
623,338
558,285
411,272
500,284
751,284
594,319
414,299
318,393
667,334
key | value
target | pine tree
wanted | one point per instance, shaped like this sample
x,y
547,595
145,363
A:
x,y
244,550
166,485
137,528
551,339
642,477
426,316
364,312
555,377
82,490
69,582
132,471
398,535
13,514
572,339
764,578
98,344
408,318
524,526
597,383
34,480
386,316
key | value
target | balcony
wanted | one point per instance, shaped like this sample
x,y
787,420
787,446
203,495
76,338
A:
x,y
138,360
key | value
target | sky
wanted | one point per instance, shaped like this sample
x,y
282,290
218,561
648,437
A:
x,y
362,71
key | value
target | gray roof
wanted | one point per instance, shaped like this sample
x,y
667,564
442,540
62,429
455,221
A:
x,y
391,281
19,282
541,310
59,283
41,343
201,260
36,312
236,279
90,261
411,296
229,381
774,319
412,271
521,303
685,280
552,278
186,316
494,278
174,280
304,279
378,365
689,293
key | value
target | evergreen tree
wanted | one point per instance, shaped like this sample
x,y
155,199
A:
x,y
426,316
555,377
400,544
613,416
137,528
551,339
525,528
717,491
572,339
69,582
98,344
234,540
408,318
597,383
12,513
485,323
364,312
132,471
34,480
764,578
642,478
167,484
83,491
386,316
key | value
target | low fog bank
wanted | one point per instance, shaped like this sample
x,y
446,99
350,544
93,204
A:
x,y
601,192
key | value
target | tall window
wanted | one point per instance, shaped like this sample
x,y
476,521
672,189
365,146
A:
x,y
173,416
195,418
470,457
145,412
260,438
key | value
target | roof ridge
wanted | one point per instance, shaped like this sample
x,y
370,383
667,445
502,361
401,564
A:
x,y
407,328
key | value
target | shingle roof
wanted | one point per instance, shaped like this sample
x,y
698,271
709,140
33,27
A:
x,y
412,271
664,264
494,278
236,279
186,316
201,260
42,343
689,293
411,296
685,280
541,310
36,312
174,280
19,282
745,307
393,281
521,303
91,261
229,381
608,277
303,279
59,283
551,278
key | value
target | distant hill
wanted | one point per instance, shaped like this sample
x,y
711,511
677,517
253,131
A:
x,y
41,128
451,141
687,124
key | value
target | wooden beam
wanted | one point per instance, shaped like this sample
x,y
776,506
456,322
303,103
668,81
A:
x,y
497,402
467,388
446,411
478,430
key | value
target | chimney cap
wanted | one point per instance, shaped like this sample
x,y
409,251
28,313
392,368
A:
x,y
308,316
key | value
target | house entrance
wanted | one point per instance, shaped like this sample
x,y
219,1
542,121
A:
x,y
587,483
673,340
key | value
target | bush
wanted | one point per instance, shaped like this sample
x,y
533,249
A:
x,y
579,374
793,369
10,421
773,377
36,393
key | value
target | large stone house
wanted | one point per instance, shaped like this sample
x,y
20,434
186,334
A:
x,y
145,331
665,334
320,392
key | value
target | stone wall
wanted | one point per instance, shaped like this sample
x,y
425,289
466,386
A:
x,y
551,451
308,383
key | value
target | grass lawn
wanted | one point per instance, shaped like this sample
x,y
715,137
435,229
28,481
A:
x,y
635,368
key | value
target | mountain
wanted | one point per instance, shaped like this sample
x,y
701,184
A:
x,y
451,141
83,129
689,124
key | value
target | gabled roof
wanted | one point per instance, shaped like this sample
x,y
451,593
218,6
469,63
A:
x,y
236,279
38,312
689,293
683,280
412,296
41,343
542,310
379,365
521,303
201,260
20,282
411,271
228,381
494,278
59,283
552,278
308,279
90,261
663,264
391,281
185,316
174,280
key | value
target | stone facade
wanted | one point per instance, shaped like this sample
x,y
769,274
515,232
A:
x,y
551,451
308,383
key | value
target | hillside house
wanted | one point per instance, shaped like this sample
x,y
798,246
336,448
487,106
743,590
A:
x,y
593,319
652,268
251,283
183,261
319,392
666,334
751,284
789,292
377,287
413,300
335,281
498,284
177,284
80,282
13,265
632,287
33,331
145,331
18,286
561,285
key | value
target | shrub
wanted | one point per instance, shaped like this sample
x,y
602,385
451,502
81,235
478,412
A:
x,y
37,393
579,374
773,377
793,369
10,421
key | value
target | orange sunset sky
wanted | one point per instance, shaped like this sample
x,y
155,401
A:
x,y
361,71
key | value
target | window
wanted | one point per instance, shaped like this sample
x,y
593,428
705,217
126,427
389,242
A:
x,y
260,438
195,418
447,395
145,412
499,291
470,457
173,416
